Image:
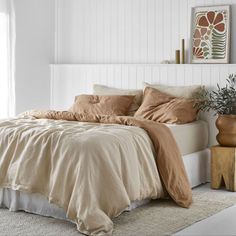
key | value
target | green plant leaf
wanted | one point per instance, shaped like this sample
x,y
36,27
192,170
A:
x,y
218,45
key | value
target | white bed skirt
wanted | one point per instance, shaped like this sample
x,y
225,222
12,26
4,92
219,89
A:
x,y
38,204
197,166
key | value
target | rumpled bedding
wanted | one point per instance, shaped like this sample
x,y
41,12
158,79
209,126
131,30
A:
x,y
84,166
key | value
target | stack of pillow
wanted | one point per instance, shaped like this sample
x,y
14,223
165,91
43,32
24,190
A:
x,y
160,103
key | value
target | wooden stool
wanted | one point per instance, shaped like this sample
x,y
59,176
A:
x,y
223,165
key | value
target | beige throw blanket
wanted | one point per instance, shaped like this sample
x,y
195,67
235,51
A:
x,y
90,198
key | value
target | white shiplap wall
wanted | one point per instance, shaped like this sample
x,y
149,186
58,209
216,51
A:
x,y
126,31
69,80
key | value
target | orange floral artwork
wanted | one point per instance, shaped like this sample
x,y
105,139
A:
x,y
210,34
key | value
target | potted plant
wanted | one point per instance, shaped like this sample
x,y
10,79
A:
x,y
223,102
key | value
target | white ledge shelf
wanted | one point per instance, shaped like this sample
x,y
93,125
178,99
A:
x,y
138,64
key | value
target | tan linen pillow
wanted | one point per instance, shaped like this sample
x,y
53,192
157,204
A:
x,y
178,91
102,105
163,108
105,90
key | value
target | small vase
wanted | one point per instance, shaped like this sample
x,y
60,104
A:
x,y
226,124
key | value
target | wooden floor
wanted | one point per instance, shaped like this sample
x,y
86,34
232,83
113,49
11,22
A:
x,y
222,223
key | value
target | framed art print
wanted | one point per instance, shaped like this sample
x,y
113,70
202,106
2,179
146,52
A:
x,y
210,34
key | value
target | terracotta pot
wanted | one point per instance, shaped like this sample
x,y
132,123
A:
x,y
226,124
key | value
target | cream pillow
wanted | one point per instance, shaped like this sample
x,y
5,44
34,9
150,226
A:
x,y
105,90
178,91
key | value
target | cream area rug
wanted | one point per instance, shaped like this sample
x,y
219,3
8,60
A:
x,y
155,218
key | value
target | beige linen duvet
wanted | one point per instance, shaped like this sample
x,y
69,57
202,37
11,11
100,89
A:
x,y
93,171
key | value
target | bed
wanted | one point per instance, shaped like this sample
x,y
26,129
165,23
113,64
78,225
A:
x,y
194,163
138,174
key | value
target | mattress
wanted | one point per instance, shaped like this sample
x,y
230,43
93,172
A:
x,y
191,137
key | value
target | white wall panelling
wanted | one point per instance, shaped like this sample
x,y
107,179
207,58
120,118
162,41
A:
x,y
71,80
126,31
95,31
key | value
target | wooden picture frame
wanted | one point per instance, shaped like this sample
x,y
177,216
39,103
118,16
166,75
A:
x,y
210,34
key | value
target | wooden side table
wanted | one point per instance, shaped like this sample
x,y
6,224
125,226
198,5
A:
x,y
223,167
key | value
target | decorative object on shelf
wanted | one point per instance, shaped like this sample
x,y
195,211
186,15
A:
x,y
210,34
222,102
183,51
177,57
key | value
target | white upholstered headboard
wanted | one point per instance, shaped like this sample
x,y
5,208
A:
x,y
68,80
